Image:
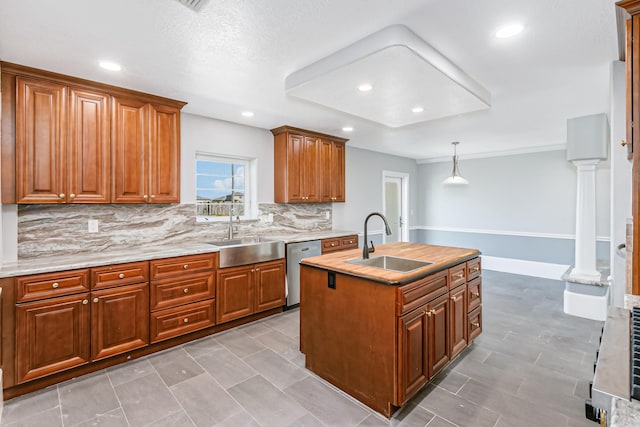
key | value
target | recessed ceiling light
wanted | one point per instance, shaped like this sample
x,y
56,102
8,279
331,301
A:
x,y
247,113
417,109
111,66
509,31
365,87
347,129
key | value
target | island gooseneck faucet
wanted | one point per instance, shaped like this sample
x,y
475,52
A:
x,y
365,249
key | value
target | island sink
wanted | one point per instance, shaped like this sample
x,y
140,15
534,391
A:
x,y
386,262
248,250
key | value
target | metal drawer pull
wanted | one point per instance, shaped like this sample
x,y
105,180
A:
x,y
121,275
476,268
333,244
185,266
55,285
185,320
186,290
475,294
475,324
350,241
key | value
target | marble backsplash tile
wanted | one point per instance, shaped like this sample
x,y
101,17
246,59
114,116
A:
x,y
45,230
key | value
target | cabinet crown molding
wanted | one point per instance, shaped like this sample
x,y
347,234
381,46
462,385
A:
x,y
303,132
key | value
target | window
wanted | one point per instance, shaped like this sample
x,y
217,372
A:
x,y
223,184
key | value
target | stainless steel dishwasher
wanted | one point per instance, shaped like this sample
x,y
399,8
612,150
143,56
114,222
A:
x,y
295,253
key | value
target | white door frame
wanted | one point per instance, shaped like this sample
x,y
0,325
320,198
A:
x,y
404,177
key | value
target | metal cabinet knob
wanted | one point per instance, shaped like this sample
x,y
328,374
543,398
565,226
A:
x,y
185,320
72,196
85,302
121,275
61,195
185,290
475,294
623,143
333,244
55,285
144,196
96,299
153,196
475,324
186,266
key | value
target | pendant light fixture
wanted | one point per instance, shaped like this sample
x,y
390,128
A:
x,y
455,178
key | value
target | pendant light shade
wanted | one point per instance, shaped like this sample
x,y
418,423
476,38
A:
x,y
455,178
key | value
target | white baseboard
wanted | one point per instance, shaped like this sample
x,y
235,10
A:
x,y
526,268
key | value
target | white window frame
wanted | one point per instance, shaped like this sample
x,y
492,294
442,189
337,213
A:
x,y
250,185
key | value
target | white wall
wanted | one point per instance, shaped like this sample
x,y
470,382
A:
x,y
521,207
620,181
206,135
533,192
364,188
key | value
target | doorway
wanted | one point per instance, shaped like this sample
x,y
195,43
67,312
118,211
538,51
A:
x,y
395,188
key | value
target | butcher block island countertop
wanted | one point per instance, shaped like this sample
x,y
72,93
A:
x,y
441,257
381,335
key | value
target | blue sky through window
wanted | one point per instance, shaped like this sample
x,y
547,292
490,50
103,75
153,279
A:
x,y
214,179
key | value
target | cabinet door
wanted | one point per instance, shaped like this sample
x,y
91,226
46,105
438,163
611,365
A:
x,y
40,141
458,320
89,141
338,172
295,168
129,140
310,170
163,155
52,335
119,320
438,334
234,293
413,358
270,285
326,172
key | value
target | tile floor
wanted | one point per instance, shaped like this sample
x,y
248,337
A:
x,y
530,367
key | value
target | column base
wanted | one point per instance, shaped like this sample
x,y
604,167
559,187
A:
x,y
585,275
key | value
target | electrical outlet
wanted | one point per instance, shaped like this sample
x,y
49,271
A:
x,y
270,218
327,215
93,226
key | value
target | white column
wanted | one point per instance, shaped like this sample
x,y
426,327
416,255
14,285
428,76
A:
x,y
585,265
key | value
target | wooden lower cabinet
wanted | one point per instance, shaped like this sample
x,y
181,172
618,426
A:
x,y
119,320
381,343
458,320
249,289
52,335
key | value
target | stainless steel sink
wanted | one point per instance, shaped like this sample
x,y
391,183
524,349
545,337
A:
x,y
248,250
386,262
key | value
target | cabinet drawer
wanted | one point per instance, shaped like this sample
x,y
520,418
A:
x,y
40,286
173,292
121,274
177,321
475,323
349,242
457,275
330,245
473,268
171,267
420,292
475,293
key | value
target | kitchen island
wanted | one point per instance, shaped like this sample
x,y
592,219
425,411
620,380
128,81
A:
x,y
381,335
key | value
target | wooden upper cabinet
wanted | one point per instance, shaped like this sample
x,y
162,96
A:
x,y
164,155
130,118
332,171
305,166
62,143
41,109
146,152
88,149
68,140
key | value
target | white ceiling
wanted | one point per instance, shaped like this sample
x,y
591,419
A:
x,y
234,55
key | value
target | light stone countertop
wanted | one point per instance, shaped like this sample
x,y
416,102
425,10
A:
x,y
625,413
95,259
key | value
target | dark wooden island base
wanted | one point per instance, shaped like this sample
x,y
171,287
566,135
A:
x,y
379,335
